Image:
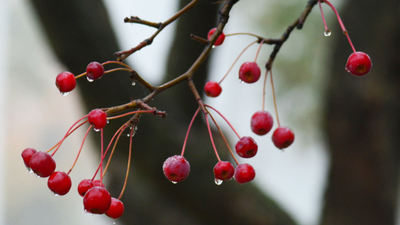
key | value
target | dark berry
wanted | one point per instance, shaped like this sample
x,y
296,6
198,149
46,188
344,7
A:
x,y
176,168
212,89
220,38
283,137
246,147
223,170
358,63
249,72
116,209
261,122
59,183
94,71
97,200
42,164
97,118
84,186
244,173
27,155
65,82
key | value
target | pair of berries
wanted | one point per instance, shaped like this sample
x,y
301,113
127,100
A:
x,y
176,168
97,200
66,81
43,165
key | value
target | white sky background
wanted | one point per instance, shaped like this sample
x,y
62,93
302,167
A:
x,y
294,178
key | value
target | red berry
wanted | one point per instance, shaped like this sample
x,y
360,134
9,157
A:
x,y
84,186
98,183
176,168
220,38
212,89
97,118
65,82
261,122
223,170
246,147
27,155
249,72
116,209
97,200
94,71
244,173
283,137
42,164
59,183
358,63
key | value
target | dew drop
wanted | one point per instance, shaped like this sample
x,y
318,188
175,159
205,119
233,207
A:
x,y
64,93
29,169
108,121
133,83
114,223
327,33
128,135
241,81
213,46
174,182
97,130
55,194
218,181
89,79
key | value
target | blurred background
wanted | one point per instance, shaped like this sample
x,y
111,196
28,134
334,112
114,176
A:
x,y
341,169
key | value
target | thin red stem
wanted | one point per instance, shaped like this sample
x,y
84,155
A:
x,y
327,31
128,166
264,92
80,149
226,120
102,156
258,50
274,97
211,137
187,132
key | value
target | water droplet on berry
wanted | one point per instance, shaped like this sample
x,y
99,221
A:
x,y
218,181
29,169
241,81
55,194
108,121
327,33
64,93
97,130
174,182
213,46
89,79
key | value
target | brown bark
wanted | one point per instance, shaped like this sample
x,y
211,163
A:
x,y
362,119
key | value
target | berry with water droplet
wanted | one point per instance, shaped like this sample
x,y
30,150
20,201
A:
x,y
97,118
65,82
223,170
246,147
176,168
220,38
261,122
212,89
116,209
249,72
283,137
27,155
59,183
97,200
42,164
358,63
244,173
94,71
84,186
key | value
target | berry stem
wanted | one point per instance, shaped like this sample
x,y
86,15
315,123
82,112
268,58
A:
x,y
264,92
187,132
327,31
223,137
80,149
129,164
130,113
210,133
237,58
258,50
274,97
226,120
101,154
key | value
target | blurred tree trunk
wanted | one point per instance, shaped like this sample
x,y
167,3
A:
x,y
363,119
80,32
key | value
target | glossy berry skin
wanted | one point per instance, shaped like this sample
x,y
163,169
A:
x,y
224,170
261,122
358,64
27,155
220,38
97,118
97,200
116,209
42,164
59,183
282,137
98,183
212,89
246,147
84,186
176,168
249,72
94,71
65,82
244,173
